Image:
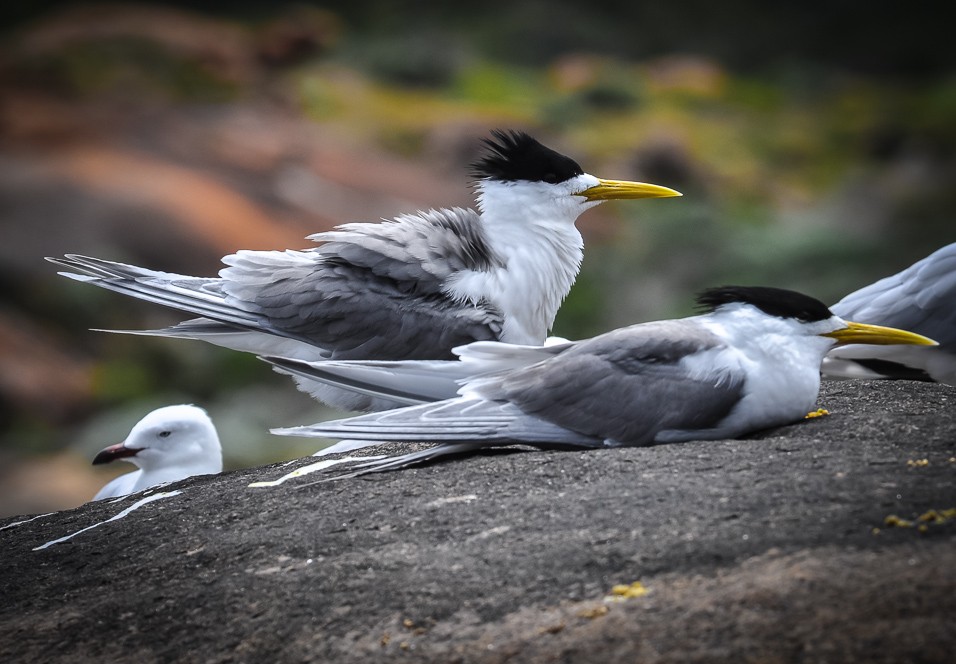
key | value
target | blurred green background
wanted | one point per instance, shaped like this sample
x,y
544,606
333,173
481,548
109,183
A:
x,y
815,145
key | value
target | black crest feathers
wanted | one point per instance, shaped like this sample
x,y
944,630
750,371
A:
x,y
514,155
772,301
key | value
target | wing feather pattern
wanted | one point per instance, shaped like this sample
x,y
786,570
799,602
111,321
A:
x,y
371,291
624,386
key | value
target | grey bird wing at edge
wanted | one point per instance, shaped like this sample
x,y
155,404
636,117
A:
x,y
921,298
375,292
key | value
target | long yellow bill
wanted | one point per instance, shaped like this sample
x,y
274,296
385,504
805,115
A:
x,y
862,333
607,190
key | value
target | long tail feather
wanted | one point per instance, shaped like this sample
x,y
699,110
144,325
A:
x,y
200,296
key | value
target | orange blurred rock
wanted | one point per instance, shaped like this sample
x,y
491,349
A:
x,y
218,215
50,483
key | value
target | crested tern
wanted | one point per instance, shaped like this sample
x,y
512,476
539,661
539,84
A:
x,y
751,361
412,287
921,298
167,445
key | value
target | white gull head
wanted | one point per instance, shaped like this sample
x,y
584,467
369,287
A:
x,y
169,444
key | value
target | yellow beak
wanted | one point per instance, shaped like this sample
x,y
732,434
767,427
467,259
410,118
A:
x,y
862,333
606,190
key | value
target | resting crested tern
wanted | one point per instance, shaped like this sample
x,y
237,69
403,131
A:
x,y
921,298
750,362
168,445
412,287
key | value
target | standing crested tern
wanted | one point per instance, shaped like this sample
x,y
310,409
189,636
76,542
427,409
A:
x,y
412,287
168,445
750,362
921,298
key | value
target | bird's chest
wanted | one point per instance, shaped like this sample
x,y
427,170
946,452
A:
x,y
528,289
781,384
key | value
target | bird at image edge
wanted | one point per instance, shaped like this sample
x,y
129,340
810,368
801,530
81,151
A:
x,y
412,287
921,298
750,362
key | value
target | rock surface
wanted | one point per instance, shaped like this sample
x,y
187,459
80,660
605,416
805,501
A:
x,y
774,548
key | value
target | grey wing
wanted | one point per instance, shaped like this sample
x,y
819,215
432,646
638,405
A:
x,y
373,291
423,382
625,386
411,382
921,298
452,421
412,247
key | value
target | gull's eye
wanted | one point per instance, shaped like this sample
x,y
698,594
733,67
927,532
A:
x,y
164,434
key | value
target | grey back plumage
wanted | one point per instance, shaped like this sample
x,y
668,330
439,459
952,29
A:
x,y
624,386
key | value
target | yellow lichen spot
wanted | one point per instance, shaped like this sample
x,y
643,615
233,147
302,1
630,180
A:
x,y
386,638
552,629
593,612
936,517
819,412
922,528
635,589
875,531
404,645
893,521
917,463
408,623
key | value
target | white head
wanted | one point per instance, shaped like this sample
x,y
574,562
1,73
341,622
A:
x,y
519,179
779,338
745,313
529,197
175,437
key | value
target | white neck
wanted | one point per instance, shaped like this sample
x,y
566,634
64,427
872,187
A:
x,y
783,359
530,226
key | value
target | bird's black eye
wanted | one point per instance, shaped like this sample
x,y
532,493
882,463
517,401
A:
x,y
165,434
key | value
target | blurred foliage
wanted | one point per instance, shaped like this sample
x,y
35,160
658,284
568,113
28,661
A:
x,y
135,66
770,168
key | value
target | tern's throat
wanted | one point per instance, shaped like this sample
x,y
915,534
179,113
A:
x,y
539,251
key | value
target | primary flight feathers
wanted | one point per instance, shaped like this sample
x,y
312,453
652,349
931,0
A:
x,y
413,287
751,361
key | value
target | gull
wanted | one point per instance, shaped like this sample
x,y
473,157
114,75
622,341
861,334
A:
x,y
750,362
169,444
412,287
921,298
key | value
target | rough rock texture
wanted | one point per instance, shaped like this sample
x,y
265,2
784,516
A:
x,y
772,549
